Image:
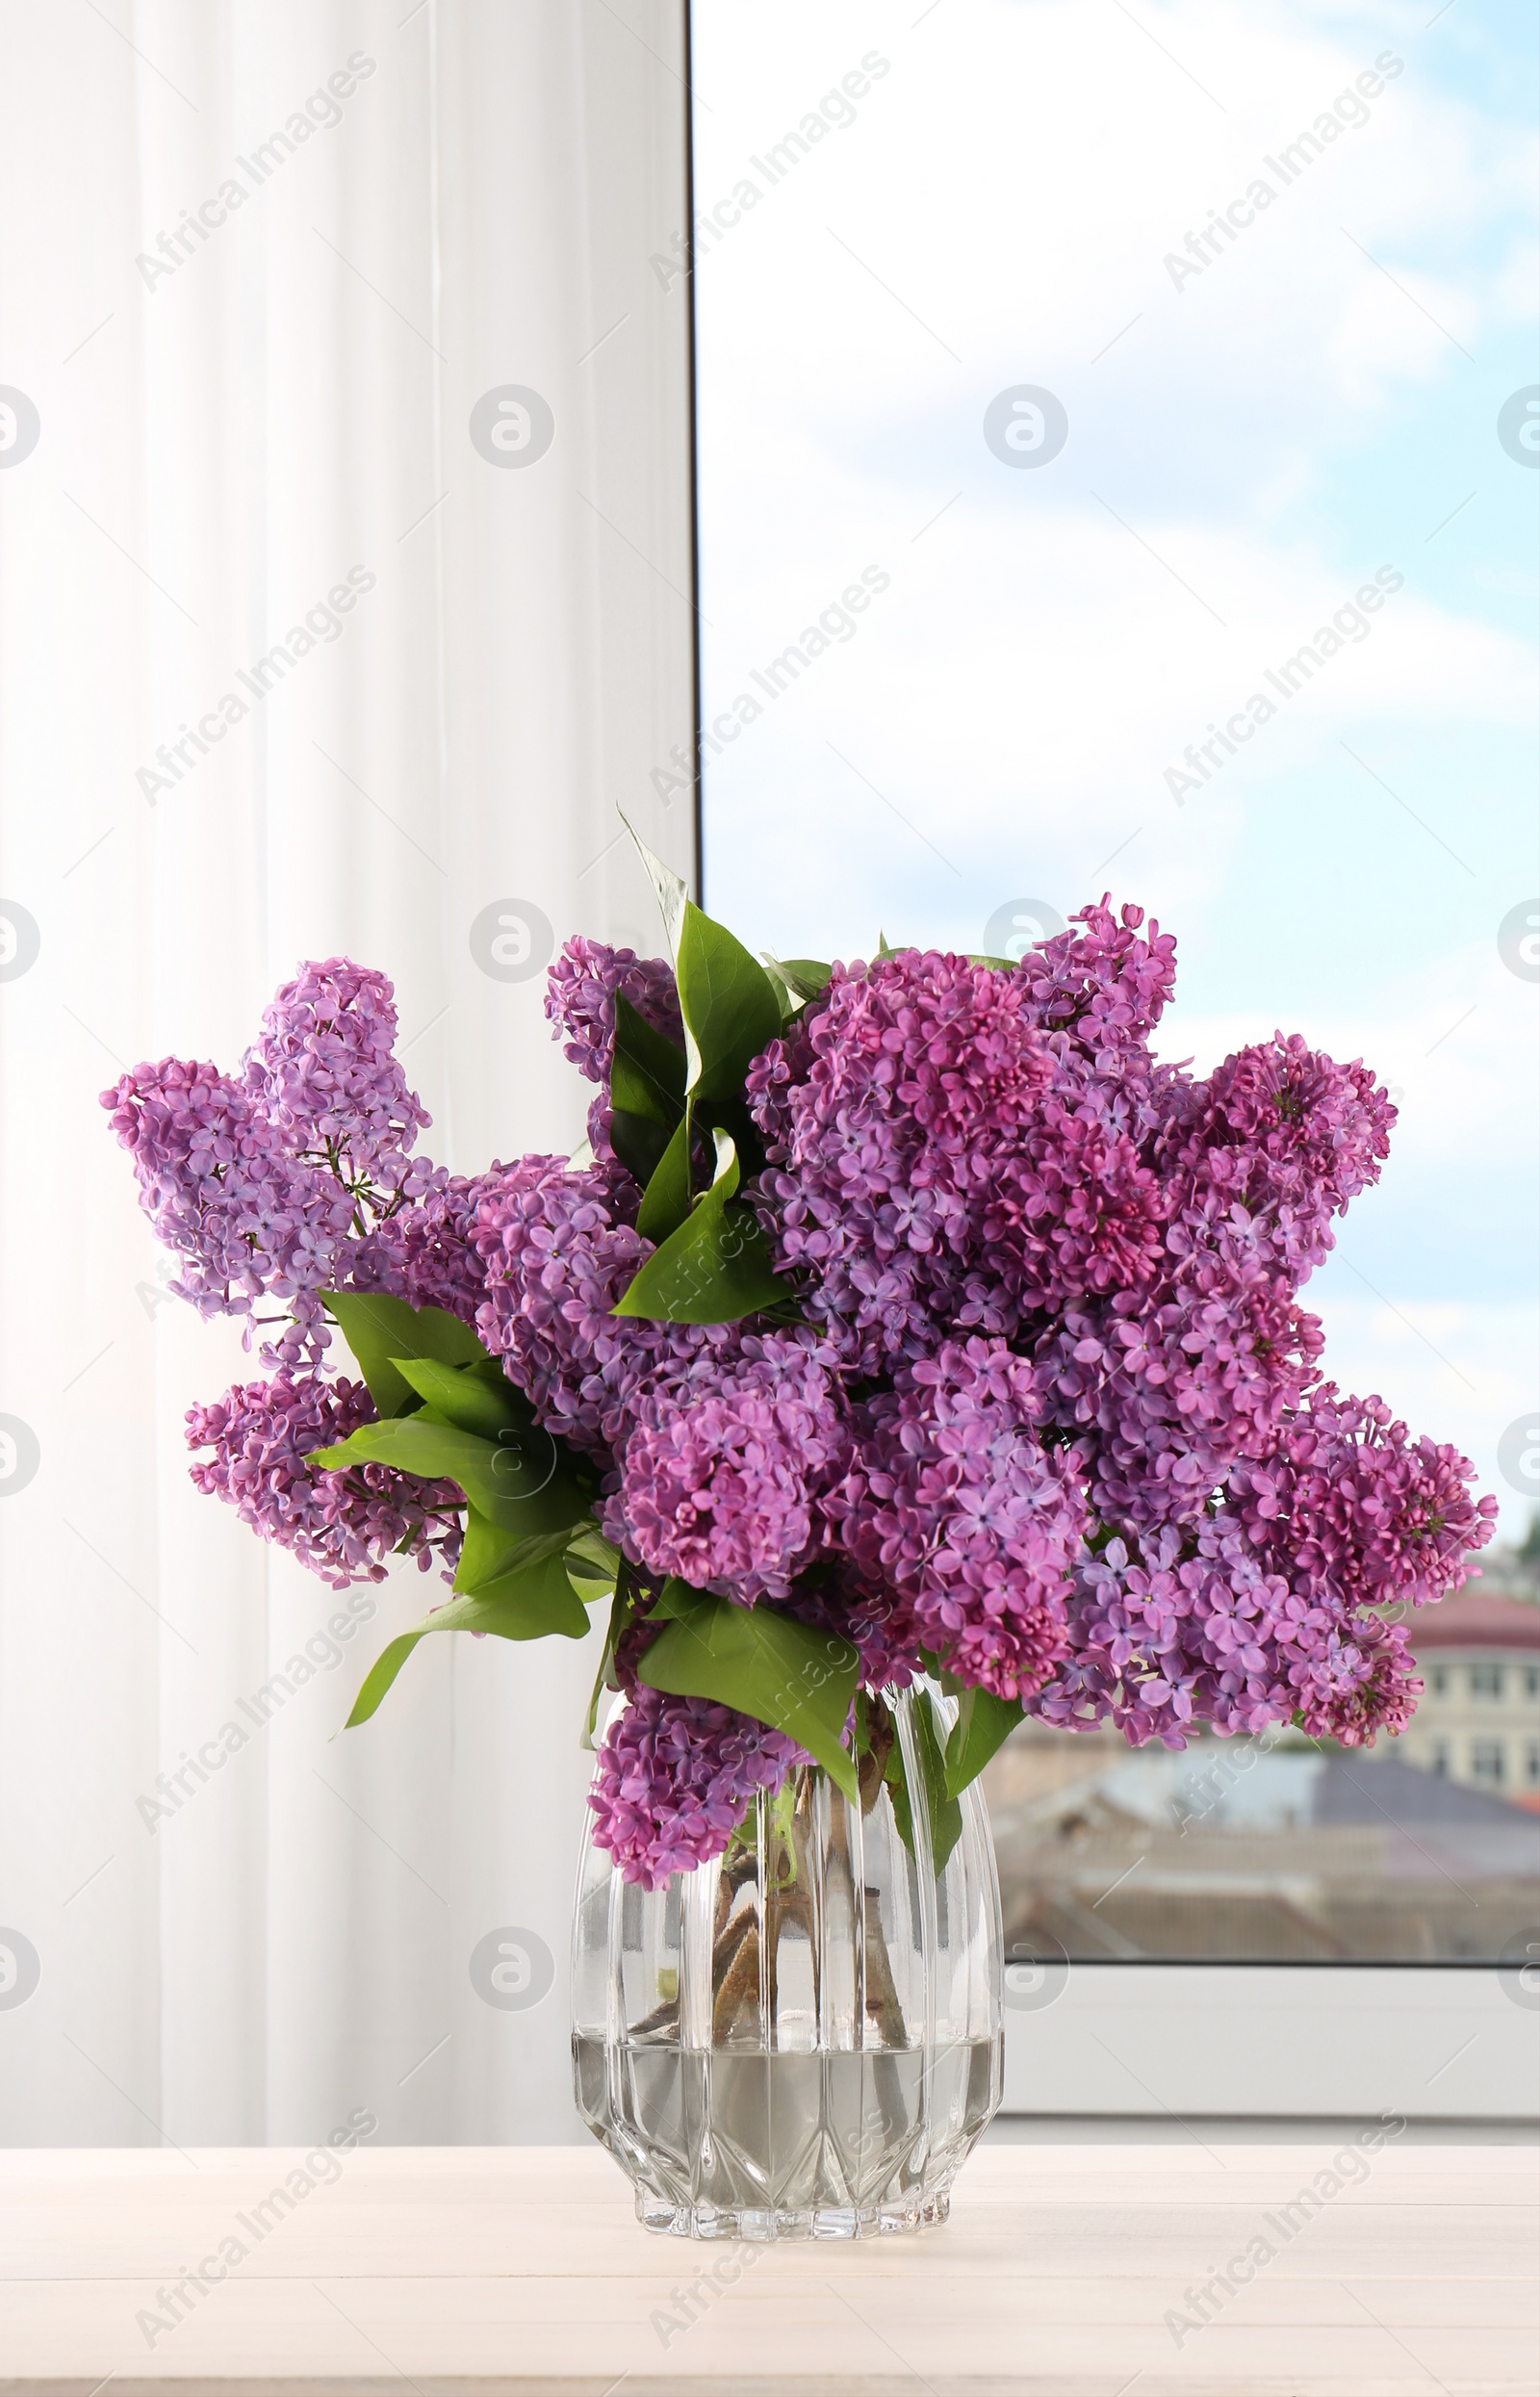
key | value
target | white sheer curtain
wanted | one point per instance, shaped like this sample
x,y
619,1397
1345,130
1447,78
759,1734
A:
x,y
373,217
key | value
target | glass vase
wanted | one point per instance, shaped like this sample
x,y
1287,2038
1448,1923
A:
x,y
801,2039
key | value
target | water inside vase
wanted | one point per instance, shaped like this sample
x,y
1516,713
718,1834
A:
x,y
855,2131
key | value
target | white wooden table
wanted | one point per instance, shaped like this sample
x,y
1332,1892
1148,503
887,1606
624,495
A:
x,y
1068,2271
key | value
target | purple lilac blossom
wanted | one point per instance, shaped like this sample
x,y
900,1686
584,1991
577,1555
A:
x,y
342,1525
425,1253
674,1778
324,1074
956,1506
1267,1607
247,1219
1054,1414
721,1474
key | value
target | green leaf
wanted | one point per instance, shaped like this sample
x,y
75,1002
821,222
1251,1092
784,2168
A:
x,y
378,1327
728,1004
488,1552
1002,964
591,1558
622,1615
806,977
786,998
640,1144
984,1724
647,1073
944,1812
784,1673
646,1090
521,1482
666,1199
527,1604
474,1398
715,1268
672,895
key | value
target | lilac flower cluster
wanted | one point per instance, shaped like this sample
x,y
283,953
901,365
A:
x,y
324,1072
957,1507
728,1466
1051,1417
1272,1607
342,1525
580,1001
266,1186
674,1776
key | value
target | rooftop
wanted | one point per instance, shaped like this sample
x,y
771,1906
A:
x,y
1473,1617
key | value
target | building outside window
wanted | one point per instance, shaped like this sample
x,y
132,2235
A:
x,y
1284,1849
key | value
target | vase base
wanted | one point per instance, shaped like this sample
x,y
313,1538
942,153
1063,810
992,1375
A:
x,y
757,2225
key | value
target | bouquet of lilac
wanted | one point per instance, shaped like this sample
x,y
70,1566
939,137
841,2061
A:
x,y
899,1317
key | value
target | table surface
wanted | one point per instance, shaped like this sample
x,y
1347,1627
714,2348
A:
x,y
1079,2271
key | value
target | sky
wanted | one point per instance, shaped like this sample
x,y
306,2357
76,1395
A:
x,y
999,202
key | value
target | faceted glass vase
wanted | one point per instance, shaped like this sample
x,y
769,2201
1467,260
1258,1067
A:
x,y
801,2039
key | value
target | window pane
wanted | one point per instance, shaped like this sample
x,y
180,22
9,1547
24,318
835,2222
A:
x,y
1117,448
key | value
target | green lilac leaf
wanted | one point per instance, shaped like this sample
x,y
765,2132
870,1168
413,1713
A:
x,y
784,1673
666,1197
715,1268
640,1144
984,1724
728,1005
523,1481
808,977
378,1327
471,1397
672,895
943,1811
647,1072
529,1604
488,1552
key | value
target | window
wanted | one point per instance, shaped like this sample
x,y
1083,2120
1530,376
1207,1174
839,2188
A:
x,y
1486,1761
1531,1681
1008,488
1486,1680
1531,1764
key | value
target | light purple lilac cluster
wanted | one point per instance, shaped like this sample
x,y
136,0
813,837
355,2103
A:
x,y
342,1525
1051,1418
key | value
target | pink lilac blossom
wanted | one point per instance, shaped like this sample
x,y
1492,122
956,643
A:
x,y
674,1778
342,1525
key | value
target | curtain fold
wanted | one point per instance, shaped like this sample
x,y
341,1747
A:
x,y
298,657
